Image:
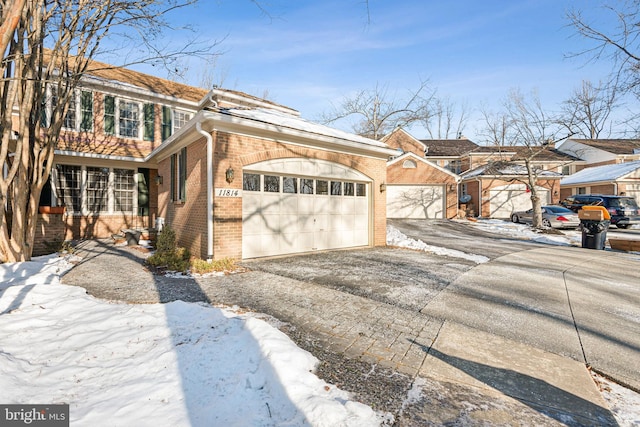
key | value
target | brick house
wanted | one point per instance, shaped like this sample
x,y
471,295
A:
x,y
234,175
595,153
485,187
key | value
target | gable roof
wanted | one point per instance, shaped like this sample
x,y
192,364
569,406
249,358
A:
x,y
448,147
272,124
606,173
615,146
415,157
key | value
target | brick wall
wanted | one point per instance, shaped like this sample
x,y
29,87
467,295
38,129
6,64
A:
x,y
236,151
426,174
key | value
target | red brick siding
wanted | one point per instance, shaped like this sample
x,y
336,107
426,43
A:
x,y
236,151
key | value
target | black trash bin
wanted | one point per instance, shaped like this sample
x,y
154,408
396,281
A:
x,y
594,233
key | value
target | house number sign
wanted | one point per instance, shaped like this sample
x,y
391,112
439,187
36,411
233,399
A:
x,y
228,192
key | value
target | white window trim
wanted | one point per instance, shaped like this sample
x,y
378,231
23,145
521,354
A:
x,y
174,121
110,192
117,101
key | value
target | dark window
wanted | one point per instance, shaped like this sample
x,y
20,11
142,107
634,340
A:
x,y
123,188
271,184
97,184
289,185
361,190
109,115
179,176
322,187
166,122
149,116
86,111
336,188
70,117
251,182
306,186
68,187
348,189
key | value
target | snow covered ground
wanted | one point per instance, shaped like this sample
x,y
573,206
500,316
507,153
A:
x,y
178,364
181,364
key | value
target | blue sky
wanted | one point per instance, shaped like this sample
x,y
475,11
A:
x,y
309,54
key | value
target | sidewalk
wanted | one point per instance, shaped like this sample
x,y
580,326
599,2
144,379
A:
x,y
462,374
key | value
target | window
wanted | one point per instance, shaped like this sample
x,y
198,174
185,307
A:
x,y
289,185
271,184
70,117
409,164
97,185
566,170
251,182
348,189
306,186
322,187
109,115
180,118
336,188
123,190
166,122
149,116
179,176
582,190
361,190
455,166
86,111
128,119
69,187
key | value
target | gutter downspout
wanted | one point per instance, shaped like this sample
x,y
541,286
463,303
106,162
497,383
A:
x,y
209,189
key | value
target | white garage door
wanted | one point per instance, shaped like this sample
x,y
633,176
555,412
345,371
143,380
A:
x,y
511,198
298,205
415,201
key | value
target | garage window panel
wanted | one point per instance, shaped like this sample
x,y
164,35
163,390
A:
x,y
289,185
251,182
271,184
336,188
361,190
306,186
348,189
322,187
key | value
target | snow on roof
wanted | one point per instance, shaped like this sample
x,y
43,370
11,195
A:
x,y
505,168
601,173
278,118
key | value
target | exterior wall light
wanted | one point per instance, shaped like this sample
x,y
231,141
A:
x,y
158,179
229,175
383,187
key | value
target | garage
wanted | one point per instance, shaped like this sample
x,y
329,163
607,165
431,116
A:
x,y
506,199
415,201
303,205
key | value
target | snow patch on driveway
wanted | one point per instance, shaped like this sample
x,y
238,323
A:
x,y
396,238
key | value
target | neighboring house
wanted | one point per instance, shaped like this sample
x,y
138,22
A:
x,y
616,179
492,178
417,187
597,152
498,189
233,175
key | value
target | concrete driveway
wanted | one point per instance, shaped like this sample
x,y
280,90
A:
x,y
573,302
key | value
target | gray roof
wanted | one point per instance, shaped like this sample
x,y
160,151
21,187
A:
x,y
604,173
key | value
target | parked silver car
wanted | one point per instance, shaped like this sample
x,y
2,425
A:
x,y
552,216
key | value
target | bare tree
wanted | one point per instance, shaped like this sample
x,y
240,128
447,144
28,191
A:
x,y
47,46
620,46
377,112
444,120
588,111
524,123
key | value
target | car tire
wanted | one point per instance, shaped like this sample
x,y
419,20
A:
x,y
546,223
623,226
514,218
